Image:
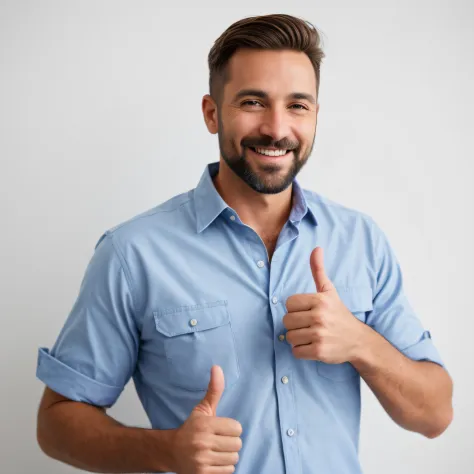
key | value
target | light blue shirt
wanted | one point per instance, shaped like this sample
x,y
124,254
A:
x,y
187,284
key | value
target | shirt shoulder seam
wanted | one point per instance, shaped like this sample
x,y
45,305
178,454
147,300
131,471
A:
x,y
148,214
126,272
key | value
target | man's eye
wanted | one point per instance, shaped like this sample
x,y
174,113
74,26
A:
x,y
299,107
251,102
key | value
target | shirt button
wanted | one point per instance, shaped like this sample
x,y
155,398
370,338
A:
x,y
281,337
232,218
274,300
193,322
290,432
260,263
284,379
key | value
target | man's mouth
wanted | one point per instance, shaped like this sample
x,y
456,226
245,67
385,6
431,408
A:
x,y
267,152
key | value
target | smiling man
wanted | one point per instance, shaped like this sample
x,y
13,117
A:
x,y
248,309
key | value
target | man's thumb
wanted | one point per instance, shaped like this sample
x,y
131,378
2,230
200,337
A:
x,y
322,281
215,389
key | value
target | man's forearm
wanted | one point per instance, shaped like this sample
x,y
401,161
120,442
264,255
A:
x,y
85,437
416,395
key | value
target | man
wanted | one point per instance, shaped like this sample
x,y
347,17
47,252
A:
x,y
247,309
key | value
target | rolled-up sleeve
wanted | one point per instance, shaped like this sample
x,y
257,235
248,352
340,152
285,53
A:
x,y
392,315
95,353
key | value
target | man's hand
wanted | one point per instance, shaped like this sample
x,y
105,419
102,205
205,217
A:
x,y
319,325
206,443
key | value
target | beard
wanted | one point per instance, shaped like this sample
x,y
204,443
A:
x,y
268,180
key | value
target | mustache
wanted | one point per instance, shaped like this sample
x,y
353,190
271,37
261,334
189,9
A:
x,y
283,144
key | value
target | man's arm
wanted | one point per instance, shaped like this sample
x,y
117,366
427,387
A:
x,y
416,394
85,437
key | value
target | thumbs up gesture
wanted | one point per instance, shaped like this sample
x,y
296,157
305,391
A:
x,y
319,325
206,443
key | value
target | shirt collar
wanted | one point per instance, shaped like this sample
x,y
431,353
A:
x,y
209,203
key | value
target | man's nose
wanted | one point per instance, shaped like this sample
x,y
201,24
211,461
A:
x,y
275,124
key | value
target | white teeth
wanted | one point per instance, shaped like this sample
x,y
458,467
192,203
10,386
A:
x,y
263,151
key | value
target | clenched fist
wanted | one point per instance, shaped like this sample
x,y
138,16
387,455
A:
x,y
205,443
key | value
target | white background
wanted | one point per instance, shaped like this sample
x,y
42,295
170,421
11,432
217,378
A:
x,y
100,120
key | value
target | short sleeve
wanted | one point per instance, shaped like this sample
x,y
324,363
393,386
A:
x,y
95,353
392,315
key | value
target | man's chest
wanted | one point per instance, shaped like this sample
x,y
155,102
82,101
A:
x,y
222,302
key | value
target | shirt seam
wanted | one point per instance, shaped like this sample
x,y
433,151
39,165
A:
x,y
372,241
126,272
377,257
151,213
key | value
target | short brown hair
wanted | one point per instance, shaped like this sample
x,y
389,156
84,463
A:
x,y
274,32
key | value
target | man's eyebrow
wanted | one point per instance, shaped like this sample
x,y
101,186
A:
x,y
304,96
253,92
263,95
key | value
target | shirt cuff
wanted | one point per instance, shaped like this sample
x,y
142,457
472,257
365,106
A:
x,y
424,350
72,384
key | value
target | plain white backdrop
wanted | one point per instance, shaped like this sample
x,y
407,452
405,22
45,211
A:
x,y
100,119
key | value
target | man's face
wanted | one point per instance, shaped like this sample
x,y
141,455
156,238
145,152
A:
x,y
269,103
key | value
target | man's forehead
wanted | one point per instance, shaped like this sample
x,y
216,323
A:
x,y
282,71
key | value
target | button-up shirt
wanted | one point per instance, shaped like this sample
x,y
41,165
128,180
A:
x,y
187,284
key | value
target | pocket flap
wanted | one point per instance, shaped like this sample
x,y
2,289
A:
x,y
356,298
188,319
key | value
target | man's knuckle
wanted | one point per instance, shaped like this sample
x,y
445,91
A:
x,y
318,352
325,303
322,332
200,444
315,299
238,428
198,459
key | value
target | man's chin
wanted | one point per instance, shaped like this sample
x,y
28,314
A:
x,y
261,175
269,181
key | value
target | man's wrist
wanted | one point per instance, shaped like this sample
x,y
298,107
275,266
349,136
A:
x,y
161,457
362,353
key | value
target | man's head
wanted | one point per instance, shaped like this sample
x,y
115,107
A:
x,y
264,84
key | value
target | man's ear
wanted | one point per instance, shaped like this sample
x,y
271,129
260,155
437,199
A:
x,y
209,111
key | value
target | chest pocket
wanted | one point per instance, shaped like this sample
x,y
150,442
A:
x,y
196,338
358,299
